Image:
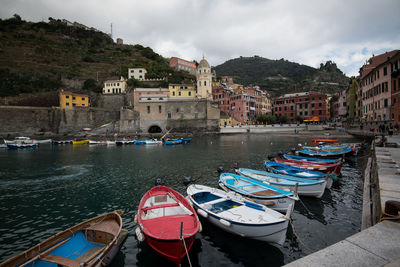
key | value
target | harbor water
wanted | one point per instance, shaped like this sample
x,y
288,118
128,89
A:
x,y
50,188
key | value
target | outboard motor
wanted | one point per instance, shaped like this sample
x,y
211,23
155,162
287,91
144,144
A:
x,y
236,165
293,150
159,181
280,154
220,169
270,157
187,180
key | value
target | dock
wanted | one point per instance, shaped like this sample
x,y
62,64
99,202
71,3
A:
x,y
378,243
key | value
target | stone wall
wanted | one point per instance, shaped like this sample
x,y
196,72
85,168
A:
x,y
51,121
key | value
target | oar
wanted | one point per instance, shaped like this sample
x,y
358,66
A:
x,y
180,204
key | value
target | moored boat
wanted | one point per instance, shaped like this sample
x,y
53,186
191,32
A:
x,y
62,142
311,159
280,168
21,143
275,198
152,142
319,167
168,222
80,142
239,216
42,141
173,141
324,153
325,140
85,244
305,187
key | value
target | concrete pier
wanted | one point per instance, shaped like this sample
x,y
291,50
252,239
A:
x,y
379,244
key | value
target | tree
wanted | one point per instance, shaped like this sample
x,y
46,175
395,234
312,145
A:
x,y
91,85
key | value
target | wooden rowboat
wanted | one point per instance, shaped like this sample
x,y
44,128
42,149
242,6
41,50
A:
x,y
85,244
319,167
168,222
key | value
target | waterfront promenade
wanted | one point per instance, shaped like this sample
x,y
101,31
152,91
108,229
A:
x,y
377,245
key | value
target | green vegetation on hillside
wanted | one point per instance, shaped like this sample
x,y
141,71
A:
x,y
38,57
279,77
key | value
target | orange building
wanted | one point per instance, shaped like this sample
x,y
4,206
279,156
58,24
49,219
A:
x,y
73,100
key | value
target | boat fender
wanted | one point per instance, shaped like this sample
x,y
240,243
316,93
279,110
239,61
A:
x,y
139,234
135,219
225,222
110,255
202,213
200,227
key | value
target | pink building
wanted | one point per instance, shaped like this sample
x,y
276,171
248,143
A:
x,y
181,64
375,84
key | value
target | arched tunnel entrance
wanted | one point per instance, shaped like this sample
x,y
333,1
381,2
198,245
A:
x,y
154,129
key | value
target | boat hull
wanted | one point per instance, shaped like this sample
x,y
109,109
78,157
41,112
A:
x,y
319,167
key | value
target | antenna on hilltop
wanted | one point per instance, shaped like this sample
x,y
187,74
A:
x,y
111,32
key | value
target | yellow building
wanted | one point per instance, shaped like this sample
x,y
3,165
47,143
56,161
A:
x,y
182,90
328,108
72,100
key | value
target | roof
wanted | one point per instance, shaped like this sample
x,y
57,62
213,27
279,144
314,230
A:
x,y
72,93
204,63
376,61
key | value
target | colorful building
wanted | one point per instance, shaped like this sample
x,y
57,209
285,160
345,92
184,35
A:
x,y
115,86
73,100
150,95
376,87
351,99
184,65
395,81
182,90
307,105
204,80
137,73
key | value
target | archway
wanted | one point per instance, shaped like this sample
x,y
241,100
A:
x,y
154,129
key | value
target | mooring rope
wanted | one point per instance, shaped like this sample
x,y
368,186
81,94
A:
x,y
297,237
187,253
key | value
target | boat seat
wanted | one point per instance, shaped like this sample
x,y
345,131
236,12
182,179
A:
x,y
62,261
89,254
258,190
241,186
161,206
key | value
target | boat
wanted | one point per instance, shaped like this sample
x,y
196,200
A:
x,y
62,142
85,244
167,222
80,142
173,142
325,141
319,167
106,142
305,187
139,142
324,153
275,198
239,216
280,168
311,159
152,142
21,143
42,141
186,140
124,142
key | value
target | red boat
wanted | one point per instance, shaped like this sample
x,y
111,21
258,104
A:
x,y
319,167
331,141
168,222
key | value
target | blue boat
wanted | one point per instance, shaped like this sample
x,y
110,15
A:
x,y
173,141
271,196
280,168
325,153
305,187
89,243
311,159
186,140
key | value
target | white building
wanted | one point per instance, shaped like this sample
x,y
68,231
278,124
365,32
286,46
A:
x,y
137,73
204,80
115,86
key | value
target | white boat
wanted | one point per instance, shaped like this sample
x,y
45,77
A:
x,y
239,216
108,143
44,141
153,142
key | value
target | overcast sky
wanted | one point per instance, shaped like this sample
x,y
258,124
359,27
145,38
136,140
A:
x,y
308,32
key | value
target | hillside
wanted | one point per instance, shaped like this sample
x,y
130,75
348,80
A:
x,y
279,77
47,56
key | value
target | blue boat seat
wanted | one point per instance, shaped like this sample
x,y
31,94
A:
x,y
241,186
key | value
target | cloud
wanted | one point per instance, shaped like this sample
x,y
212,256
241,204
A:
x,y
307,32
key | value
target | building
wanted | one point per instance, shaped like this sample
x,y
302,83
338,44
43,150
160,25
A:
x,y
204,80
341,105
137,73
351,100
182,90
306,105
395,81
120,41
221,96
184,65
150,94
73,100
115,87
376,87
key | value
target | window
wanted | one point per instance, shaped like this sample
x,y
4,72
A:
x,y
67,96
67,103
73,98
173,93
108,90
148,109
386,103
83,99
320,104
205,83
140,71
73,104
117,84
159,109
305,113
305,105
83,105
189,93
169,115
132,71
300,105
291,107
320,112
384,71
140,76
312,105
312,112
177,110
196,115
179,93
